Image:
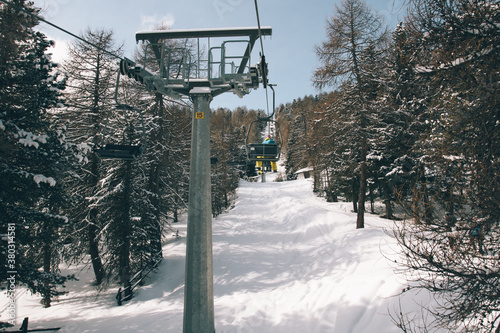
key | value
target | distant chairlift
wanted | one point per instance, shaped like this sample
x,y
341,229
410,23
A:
x,y
118,151
268,150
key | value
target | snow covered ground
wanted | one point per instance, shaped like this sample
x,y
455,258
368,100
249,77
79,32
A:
x,y
284,261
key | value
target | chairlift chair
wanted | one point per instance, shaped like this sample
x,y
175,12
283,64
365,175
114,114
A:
x,y
120,151
270,152
264,151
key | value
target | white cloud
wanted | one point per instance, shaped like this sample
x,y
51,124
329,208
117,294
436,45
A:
x,y
153,21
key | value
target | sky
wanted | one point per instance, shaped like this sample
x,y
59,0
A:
x,y
298,26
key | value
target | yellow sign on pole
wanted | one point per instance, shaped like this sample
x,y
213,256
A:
x,y
199,115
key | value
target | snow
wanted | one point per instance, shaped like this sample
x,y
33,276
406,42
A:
x,y
29,139
42,179
284,261
308,169
453,158
200,90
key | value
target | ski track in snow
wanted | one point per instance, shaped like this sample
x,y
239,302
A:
x,y
284,261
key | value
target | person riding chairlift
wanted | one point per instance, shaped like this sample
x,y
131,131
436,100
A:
x,y
274,165
268,140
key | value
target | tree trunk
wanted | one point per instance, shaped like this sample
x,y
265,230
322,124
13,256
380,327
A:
x,y
156,249
372,200
388,204
176,210
354,196
317,180
94,250
360,222
428,210
46,268
94,180
155,180
92,229
388,209
124,250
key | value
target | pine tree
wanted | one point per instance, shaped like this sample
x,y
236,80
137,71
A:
x,y
34,156
92,75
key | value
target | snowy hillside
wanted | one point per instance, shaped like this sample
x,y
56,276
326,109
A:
x,y
284,261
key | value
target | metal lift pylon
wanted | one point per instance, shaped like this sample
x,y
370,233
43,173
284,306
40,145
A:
x,y
179,72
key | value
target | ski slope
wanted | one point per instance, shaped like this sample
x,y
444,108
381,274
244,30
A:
x,y
284,261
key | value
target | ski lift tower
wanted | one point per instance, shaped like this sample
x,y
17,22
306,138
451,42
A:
x,y
199,64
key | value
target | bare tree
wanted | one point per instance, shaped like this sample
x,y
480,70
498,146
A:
x,y
91,74
353,30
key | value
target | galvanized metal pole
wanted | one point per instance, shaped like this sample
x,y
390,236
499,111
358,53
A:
x,y
198,289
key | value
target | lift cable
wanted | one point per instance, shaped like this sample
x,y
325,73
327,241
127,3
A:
x,y
258,26
263,60
77,37
61,29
